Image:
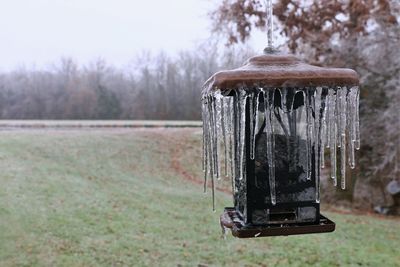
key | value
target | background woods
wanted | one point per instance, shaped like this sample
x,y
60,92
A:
x,y
151,87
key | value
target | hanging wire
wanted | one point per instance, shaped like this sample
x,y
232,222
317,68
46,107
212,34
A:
x,y
270,27
270,22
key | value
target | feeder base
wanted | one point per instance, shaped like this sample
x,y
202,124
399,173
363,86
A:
x,y
230,219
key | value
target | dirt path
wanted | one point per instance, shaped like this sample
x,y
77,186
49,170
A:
x,y
181,145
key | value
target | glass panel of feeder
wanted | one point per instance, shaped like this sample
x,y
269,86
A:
x,y
287,124
306,214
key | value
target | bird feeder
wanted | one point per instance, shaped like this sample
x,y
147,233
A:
x,y
268,126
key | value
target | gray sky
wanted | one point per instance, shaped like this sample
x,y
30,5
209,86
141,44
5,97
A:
x,y
39,32
42,31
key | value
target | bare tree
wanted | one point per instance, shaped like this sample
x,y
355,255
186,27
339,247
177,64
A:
x,y
153,87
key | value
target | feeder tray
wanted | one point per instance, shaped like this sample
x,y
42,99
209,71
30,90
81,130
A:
x,y
231,219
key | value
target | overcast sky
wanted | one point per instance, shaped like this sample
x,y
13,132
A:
x,y
42,31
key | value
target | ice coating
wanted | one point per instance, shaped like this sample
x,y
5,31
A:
x,y
318,120
269,98
326,119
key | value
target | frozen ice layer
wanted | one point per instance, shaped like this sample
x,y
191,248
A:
x,y
294,127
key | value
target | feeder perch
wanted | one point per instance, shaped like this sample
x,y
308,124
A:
x,y
267,126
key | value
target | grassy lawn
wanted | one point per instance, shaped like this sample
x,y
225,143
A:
x,y
130,198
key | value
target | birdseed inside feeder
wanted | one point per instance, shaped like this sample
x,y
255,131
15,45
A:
x,y
267,125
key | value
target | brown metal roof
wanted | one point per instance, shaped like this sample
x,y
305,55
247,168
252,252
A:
x,y
280,70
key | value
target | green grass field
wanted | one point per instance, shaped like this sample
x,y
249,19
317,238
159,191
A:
x,y
133,198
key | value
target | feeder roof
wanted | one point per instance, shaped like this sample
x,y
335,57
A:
x,y
280,70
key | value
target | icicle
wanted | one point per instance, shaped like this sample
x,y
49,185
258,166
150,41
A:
x,y
298,113
211,133
231,121
209,139
328,117
272,140
224,125
236,138
292,131
325,121
251,122
242,128
332,121
281,117
357,122
333,134
213,193
217,124
212,157
255,128
339,109
317,140
284,119
323,130
205,142
323,134
269,130
343,124
308,135
312,120
352,125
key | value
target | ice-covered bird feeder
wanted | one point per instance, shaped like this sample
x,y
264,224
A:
x,y
269,126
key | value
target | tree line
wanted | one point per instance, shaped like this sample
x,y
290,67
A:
x,y
160,86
